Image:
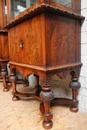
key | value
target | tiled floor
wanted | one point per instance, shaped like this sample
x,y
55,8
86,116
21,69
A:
x,y
24,114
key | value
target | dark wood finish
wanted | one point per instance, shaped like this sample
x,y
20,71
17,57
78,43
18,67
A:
x,y
4,56
44,40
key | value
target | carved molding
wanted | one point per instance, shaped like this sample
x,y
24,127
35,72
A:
x,y
47,95
47,76
74,85
61,73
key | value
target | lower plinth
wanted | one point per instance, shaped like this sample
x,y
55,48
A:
x,y
47,125
44,93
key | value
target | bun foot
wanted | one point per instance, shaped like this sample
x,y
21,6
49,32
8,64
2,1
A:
x,y
73,109
15,98
47,125
5,89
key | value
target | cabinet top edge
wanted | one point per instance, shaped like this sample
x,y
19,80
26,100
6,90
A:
x,y
42,8
46,69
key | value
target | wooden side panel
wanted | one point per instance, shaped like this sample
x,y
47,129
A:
x,y
78,40
30,32
2,19
61,40
4,50
0,46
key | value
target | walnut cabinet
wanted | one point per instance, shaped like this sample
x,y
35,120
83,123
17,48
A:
x,y
44,40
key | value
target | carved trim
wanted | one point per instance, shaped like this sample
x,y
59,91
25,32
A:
x,y
47,96
46,79
76,70
61,73
42,7
74,85
46,76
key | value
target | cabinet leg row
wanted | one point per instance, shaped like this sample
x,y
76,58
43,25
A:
x,y
44,94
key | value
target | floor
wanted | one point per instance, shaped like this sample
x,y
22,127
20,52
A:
x,y
25,115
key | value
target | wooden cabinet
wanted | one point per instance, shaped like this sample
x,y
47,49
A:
x,y
44,40
4,54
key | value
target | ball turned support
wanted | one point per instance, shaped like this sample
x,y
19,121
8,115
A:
x,y
13,80
74,85
46,96
4,73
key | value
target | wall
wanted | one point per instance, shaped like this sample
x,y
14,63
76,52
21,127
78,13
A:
x,y
83,76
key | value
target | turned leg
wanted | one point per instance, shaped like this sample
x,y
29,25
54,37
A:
x,y
46,96
0,74
26,82
38,87
13,79
4,74
75,85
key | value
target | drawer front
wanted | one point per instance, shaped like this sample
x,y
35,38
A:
x,y
25,42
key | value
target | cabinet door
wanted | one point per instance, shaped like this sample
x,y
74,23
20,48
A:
x,y
25,43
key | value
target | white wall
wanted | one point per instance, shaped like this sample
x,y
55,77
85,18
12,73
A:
x,y
83,76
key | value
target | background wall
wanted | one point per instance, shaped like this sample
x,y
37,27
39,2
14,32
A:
x,y
83,76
